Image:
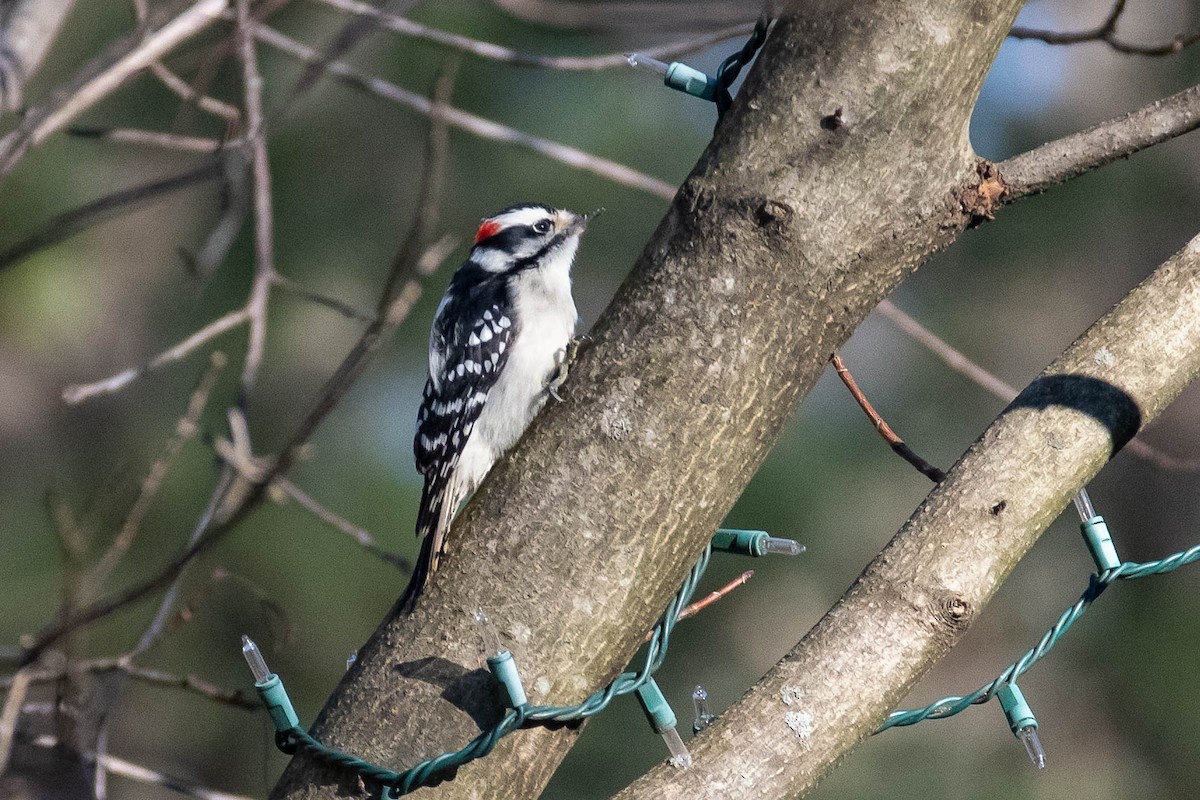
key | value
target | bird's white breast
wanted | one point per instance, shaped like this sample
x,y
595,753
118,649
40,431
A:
x,y
546,320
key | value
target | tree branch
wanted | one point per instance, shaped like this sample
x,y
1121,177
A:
x,y
1071,156
475,125
1106,32
998,388
96,82
495,52
27,31
761,268
922,593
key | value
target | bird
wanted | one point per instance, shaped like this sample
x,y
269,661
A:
x,y
499,347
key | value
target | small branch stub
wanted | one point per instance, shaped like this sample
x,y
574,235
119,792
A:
x,y
981,200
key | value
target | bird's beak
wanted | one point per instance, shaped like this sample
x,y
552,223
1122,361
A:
x,y
580,222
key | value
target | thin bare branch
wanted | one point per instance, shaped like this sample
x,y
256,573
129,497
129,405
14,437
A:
x,y
18,687
77,393
27,31
360,535
712,597
165,141
264,218
345,309
495,52
475,125
189,683
432,188
185,430
158,626
124,664
235,205
379,332
85,92
127,769
1106,33
64,225
881,427
346,37
1006,392
207,533
188,94
1059,161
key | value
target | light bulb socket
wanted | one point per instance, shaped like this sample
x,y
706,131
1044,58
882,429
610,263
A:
x,y
504,669
1016,709
1100,544
691,81
658,710
278,704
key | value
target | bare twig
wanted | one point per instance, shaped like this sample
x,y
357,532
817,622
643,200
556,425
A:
x,y
85,92
346,37
235,203
264,220
124,664
475,125
28,29
495,52
17,687
189,683
360,535
1006,392
630,15
207,533
345,309
77,393
432,188
185,430
165,141
127,769
704,602
1059,161
162,617
64,225
188,94
178,85
1106,32
881,427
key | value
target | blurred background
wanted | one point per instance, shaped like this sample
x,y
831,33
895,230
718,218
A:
x,y
1116,699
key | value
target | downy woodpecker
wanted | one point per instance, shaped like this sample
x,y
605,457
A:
x,y
499,338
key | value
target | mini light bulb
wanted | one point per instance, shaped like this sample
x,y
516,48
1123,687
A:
x,y
1083,505
782,547
704,716
1033,745
680,757
254,658
489,639
640,61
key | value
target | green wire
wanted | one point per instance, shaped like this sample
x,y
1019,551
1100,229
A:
x,y
396,784
1129,570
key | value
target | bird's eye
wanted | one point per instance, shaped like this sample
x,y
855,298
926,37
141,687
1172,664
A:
x,y
542,226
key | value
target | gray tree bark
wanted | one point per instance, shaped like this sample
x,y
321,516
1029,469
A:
x,y
839,169
918,597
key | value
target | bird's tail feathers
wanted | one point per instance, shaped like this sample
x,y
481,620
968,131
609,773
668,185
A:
x,y
439,500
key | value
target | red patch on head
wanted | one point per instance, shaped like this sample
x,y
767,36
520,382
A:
x,y
488,228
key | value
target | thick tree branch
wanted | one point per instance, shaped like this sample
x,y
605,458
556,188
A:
x,y
774,249
918,597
